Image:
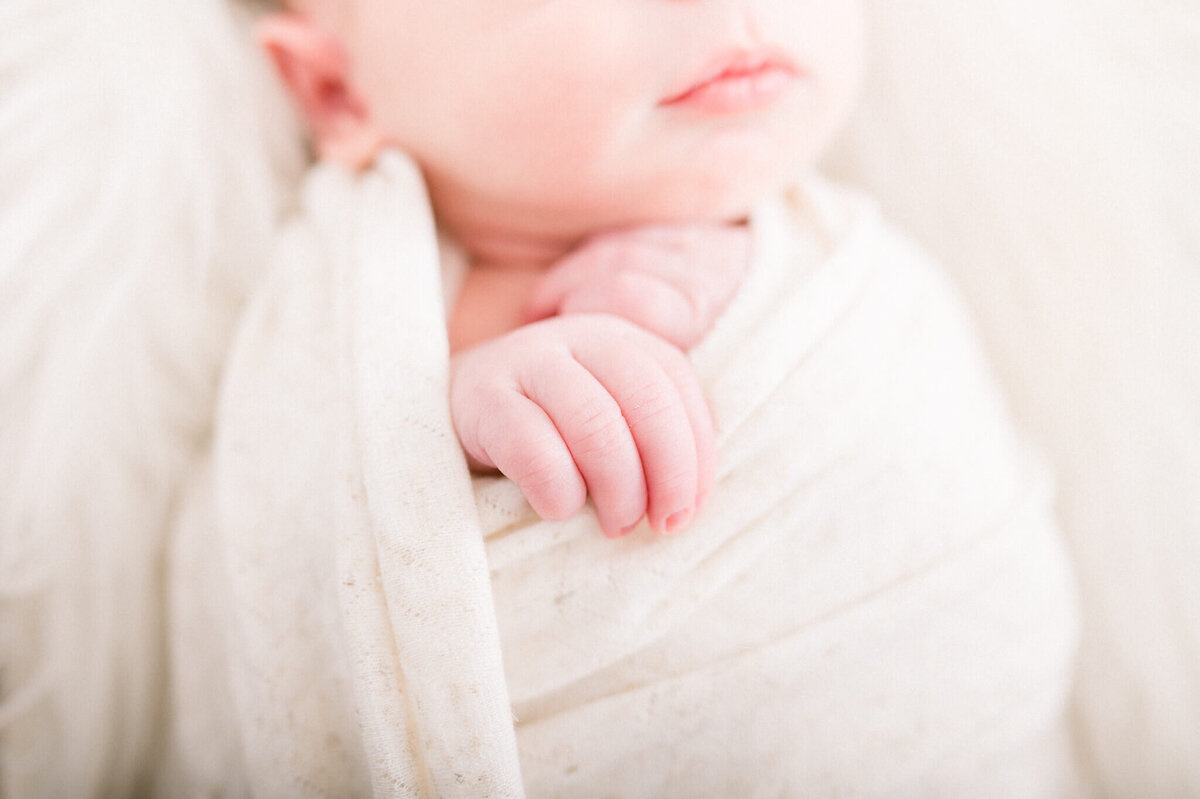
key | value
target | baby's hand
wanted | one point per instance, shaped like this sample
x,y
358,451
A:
x,y
588,404
673,280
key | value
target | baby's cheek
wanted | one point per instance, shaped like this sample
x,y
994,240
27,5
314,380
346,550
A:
x,y
832,39
556,99
544,142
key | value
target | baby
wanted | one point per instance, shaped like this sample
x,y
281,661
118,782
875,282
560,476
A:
x,y
675,114
872,600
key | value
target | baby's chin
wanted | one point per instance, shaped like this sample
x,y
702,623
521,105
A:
x,y
705,198
731,203
570,211
685,205
723,186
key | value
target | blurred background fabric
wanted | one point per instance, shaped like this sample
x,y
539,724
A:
x,y
142,151
1048,153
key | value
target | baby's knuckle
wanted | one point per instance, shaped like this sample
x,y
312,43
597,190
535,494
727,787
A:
x,y
680,481
538,469
647,403
550,485
555,494
597,430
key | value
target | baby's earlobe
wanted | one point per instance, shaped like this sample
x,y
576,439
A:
x,y
314,68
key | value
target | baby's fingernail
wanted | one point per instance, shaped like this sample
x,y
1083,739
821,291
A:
x,y
676,521
624,531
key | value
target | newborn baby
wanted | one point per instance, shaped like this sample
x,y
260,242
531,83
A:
x,y
596,121
870,599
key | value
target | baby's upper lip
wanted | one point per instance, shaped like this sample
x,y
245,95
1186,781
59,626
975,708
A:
x,y
732,63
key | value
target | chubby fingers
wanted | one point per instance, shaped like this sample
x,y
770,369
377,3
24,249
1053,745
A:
x,y
673,280
700,420
585,265
648,300
668,419
514,434
637,283
589,404
592,425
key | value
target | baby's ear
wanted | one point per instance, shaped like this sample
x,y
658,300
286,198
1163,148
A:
x,y
316,70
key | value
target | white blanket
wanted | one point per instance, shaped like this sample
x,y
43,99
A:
x,y
873,602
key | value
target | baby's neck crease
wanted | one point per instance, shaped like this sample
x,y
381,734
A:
x,y
524,253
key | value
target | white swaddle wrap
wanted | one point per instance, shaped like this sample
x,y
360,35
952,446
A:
x,y
874,601
137,193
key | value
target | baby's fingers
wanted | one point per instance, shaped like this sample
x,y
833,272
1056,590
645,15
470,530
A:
x,y
580,267
660,423
518,438
646,299
700,418
591,423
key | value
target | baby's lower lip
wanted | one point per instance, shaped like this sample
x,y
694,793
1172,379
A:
x,y
736,92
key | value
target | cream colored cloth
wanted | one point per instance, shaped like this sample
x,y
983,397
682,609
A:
x,y
874,601
139,202
1046,152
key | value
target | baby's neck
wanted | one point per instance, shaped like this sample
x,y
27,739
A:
x,y
507,257
500,235
491,301
514,252
504,268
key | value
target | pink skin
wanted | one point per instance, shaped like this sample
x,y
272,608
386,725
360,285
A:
x,y
574,407
588,404
539,123
549,132
737,83
672,280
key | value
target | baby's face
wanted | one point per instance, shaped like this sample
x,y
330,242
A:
x,y
563,116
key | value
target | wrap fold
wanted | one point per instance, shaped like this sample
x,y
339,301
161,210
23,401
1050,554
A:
x,y
873,602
